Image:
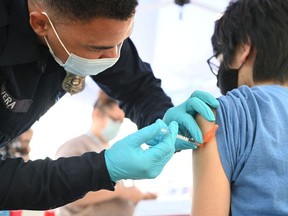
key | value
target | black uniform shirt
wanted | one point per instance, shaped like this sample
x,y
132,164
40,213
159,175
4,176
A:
x,y
30,79
30,83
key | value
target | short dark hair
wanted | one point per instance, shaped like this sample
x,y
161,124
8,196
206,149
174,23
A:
x,y
85,10
265,24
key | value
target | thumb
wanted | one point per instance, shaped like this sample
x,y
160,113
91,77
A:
x,y
149,132
173,128
206,97
166,148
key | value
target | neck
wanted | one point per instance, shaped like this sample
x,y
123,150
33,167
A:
x,y
270,83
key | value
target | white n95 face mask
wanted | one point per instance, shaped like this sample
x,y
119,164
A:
x,y
81,66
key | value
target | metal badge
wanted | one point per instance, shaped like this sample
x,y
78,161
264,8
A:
x,y
73,84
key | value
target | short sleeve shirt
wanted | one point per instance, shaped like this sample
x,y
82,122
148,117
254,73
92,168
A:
x,y
253,146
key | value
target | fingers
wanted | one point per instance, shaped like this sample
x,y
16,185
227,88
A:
x,y
149,195
186,120
195,104
158,129
182,145
173,127
206,97
166,147
192,127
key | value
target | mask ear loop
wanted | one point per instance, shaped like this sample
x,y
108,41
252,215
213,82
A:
x,y
72,84
56,34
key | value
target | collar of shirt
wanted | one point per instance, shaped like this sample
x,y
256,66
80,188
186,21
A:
x,y
21,42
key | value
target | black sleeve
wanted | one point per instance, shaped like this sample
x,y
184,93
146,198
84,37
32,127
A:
x,y
44,184
132,82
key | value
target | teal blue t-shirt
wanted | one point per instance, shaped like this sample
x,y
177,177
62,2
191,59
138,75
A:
x,y
253,145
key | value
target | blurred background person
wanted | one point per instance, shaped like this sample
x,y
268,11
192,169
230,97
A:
x,y
18,147
107,118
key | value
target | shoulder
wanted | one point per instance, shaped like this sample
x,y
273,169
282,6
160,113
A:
x,y
73,147
250,95
238,95
242,103
239,104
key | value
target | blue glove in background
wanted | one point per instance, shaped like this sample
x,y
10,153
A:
x,y
185,113
126,159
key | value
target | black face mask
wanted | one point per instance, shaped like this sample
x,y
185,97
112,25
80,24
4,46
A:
x,y
227,79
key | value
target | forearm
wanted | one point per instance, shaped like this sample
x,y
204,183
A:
x,y
132,194
44,184
95,197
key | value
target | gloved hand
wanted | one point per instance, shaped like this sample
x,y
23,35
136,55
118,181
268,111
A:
x,y
184,115
126,159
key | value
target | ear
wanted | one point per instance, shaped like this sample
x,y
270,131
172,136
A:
x,y
246,50
39,23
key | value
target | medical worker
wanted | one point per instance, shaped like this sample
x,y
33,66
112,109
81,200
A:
x,y
47,48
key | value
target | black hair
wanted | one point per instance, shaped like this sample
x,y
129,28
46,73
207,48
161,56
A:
x,y
85,10
265,24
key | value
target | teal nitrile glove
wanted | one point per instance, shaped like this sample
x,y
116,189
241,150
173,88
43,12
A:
x,y
126,159
185,113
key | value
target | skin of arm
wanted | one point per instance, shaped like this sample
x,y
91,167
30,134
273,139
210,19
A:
x,y
130,193
211,188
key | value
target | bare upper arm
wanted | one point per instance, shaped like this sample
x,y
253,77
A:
x,y
211,189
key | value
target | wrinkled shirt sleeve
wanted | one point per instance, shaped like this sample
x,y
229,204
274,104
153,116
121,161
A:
x,y
45,184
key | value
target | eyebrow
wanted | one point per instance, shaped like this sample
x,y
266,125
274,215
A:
x,y
101,47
